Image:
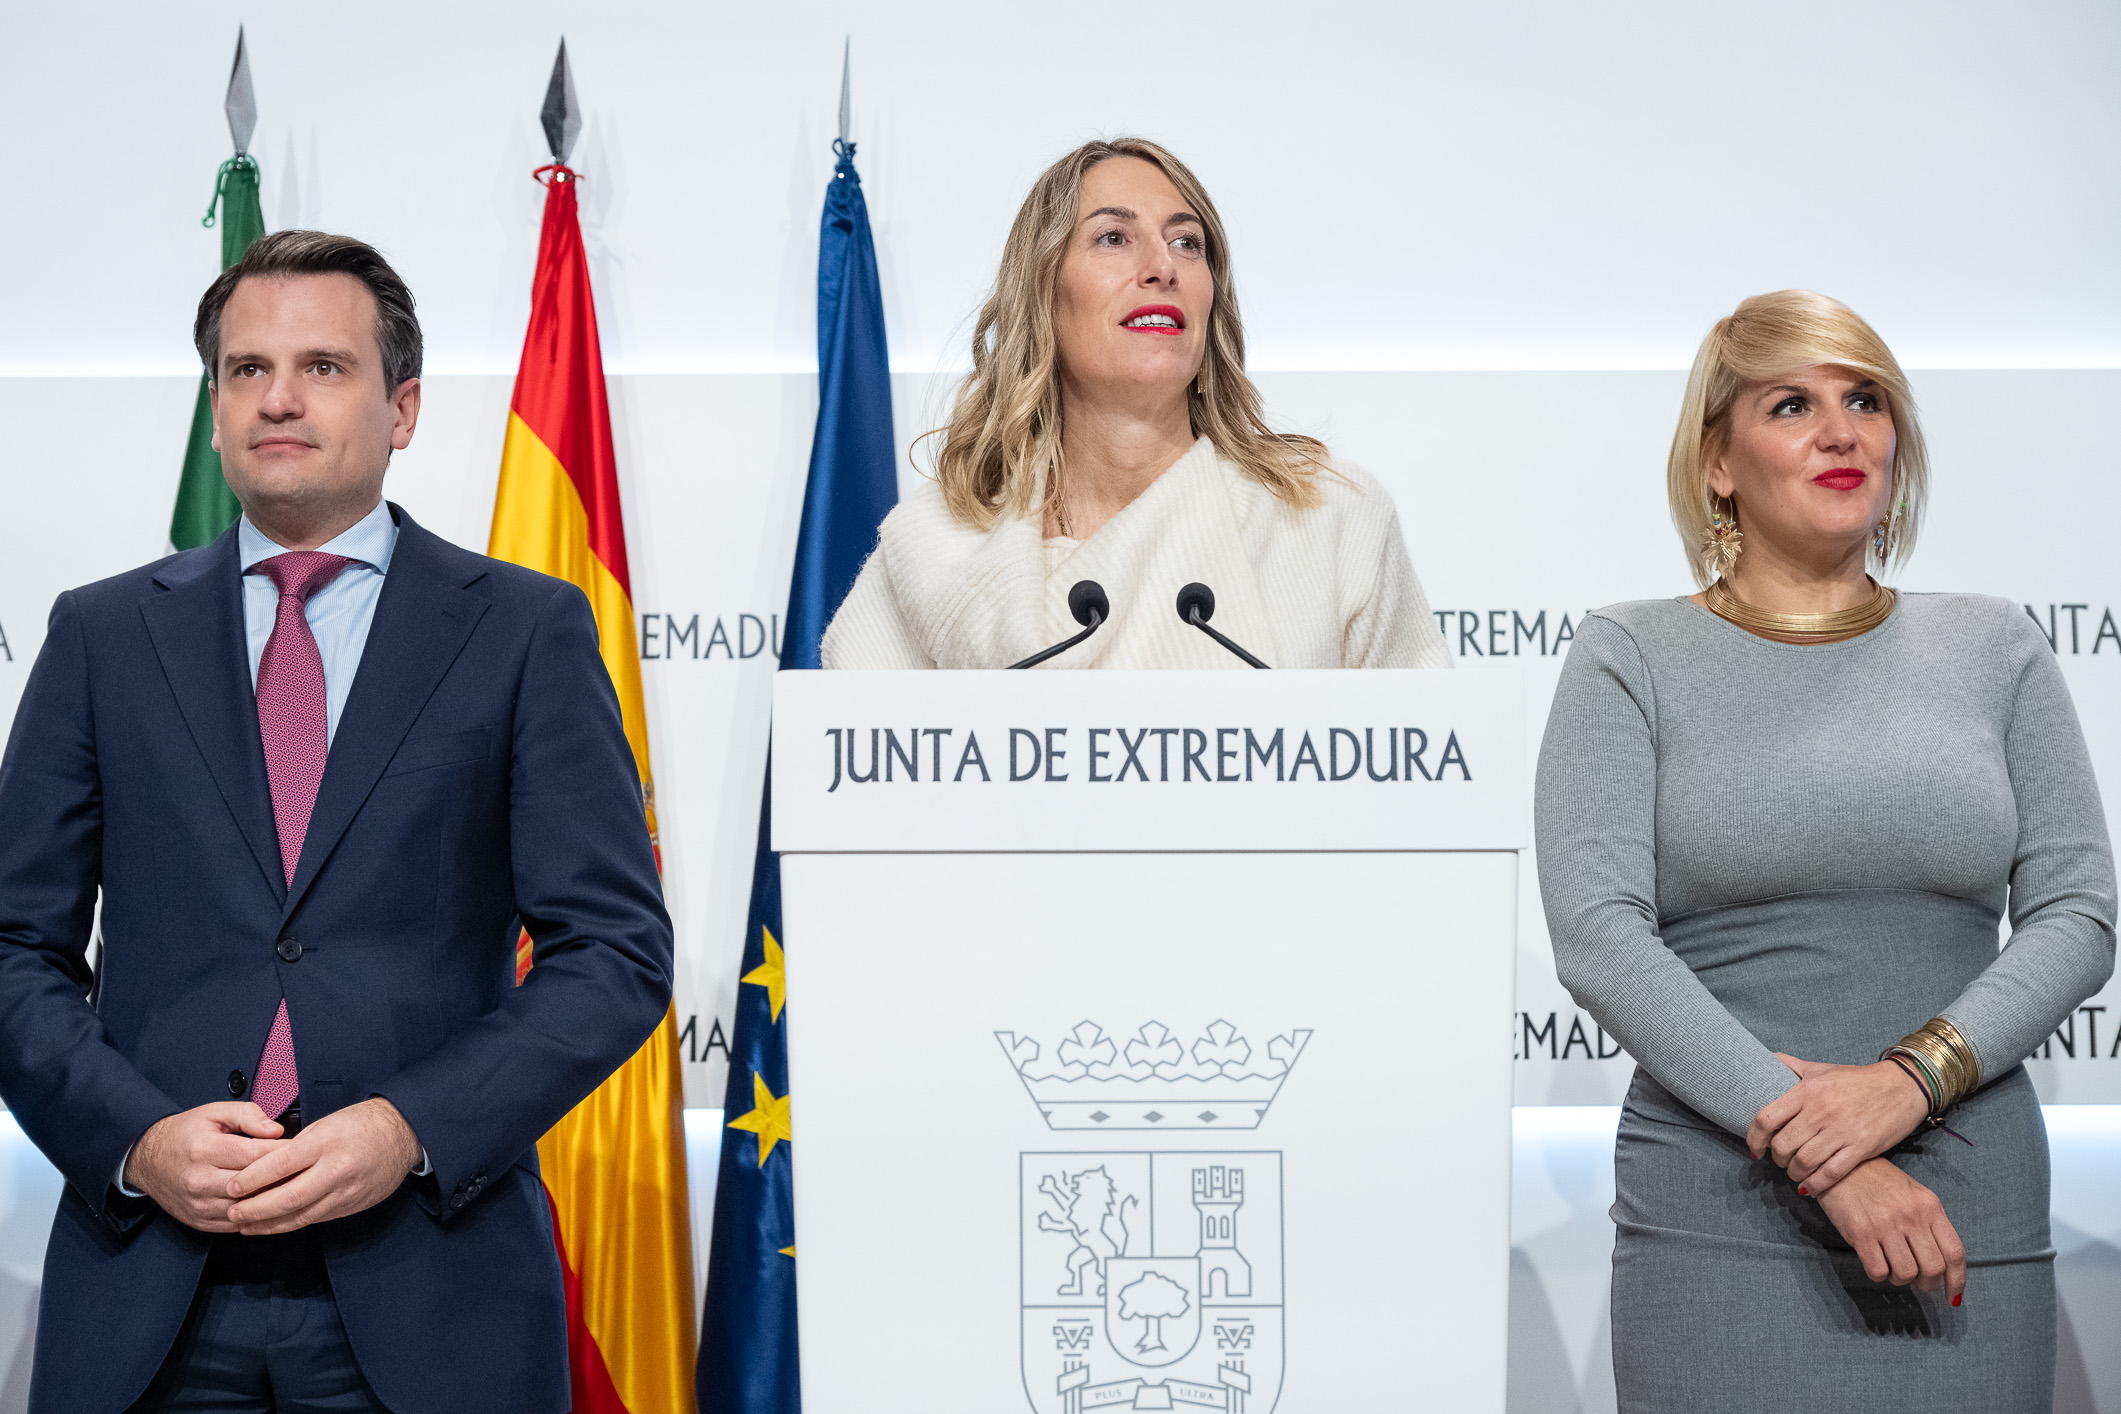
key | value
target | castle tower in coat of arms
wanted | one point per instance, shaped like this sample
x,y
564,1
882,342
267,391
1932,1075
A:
x,y
1218,1193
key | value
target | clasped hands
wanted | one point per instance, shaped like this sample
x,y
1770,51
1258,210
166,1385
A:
x,y
224,1167
1828,1131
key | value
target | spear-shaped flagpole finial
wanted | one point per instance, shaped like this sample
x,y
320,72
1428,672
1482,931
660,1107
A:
x,y
562,114
846,88
240,105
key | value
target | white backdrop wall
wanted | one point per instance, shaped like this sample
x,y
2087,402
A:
x,y
1409,183
1475,245
1412,190
1527,498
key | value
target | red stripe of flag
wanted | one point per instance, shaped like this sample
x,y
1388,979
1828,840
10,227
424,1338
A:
x,y
566,407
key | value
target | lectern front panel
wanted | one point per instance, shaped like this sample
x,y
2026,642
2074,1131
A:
x,y
1144,1131
1146,1037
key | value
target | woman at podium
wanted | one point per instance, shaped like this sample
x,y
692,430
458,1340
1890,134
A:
x,y
1778,824
1108,433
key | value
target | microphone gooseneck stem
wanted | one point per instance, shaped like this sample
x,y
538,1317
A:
x,y
1043,654
1198,622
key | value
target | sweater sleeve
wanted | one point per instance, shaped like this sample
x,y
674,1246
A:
x,y
868,632
2062,876
1594,812
1390,626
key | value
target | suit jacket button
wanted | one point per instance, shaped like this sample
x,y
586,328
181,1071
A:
x,y
456,1200
235,1084
289,949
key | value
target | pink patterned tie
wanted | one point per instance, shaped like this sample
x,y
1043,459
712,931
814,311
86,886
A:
x,y
291,719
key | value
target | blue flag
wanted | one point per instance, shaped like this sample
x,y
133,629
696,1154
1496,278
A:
x,y
747,1336
853,469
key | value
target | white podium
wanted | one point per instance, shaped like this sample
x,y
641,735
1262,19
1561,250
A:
x,y
1148,1037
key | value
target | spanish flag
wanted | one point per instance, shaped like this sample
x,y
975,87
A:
x,y
615,1166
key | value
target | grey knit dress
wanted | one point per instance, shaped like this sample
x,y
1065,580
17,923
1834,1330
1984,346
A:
x,y
1748,847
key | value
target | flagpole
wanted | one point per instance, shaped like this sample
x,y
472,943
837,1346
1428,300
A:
x,y
614,1167
205,507
748,1338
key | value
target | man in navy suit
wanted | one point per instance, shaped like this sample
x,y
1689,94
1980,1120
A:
x,y
321,772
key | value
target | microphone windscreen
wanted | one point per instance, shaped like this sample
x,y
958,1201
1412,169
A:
x,y
1086,599
1196,596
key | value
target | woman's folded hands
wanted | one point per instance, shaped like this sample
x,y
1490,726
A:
x,y
1828,1131
1898,1229
1834,1118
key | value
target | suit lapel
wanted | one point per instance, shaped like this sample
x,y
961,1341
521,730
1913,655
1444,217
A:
x,y
196,625
423,619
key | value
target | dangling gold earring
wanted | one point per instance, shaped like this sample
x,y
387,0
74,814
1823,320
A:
x,y
1722,541
1885,536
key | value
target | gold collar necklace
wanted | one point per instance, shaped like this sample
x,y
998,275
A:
x,y
1804,628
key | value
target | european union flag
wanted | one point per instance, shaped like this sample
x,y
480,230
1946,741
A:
x,y
747,1336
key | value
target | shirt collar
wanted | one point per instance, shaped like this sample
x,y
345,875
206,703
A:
x,y
370,540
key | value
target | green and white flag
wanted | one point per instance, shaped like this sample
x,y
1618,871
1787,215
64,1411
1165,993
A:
x,y
205,505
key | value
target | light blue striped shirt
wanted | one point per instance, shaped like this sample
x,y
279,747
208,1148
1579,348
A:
x,y
339,614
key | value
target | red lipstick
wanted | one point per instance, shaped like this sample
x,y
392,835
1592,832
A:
x,y
1841,478
1166,311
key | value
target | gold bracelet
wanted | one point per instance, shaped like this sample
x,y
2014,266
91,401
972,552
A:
x,y
1951,1066
1961,1051
1946,1054
1930,1052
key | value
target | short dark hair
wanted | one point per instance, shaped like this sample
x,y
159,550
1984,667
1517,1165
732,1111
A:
x,y
285,253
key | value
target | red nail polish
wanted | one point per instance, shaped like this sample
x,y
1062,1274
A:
x,y
1955,1299
1803,1192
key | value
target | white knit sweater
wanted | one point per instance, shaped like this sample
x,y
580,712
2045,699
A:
x,y
1328,587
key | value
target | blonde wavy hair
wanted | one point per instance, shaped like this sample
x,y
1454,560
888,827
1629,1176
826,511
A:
x,y
1003,441
1769,335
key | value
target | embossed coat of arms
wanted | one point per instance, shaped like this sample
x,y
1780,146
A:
x,y
1152,1279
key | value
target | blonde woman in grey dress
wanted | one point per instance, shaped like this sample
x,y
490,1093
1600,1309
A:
x,y
1779,823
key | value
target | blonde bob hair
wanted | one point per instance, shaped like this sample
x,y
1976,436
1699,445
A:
x,y
1001,450
1769,335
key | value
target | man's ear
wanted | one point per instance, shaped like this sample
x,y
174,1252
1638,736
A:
x,y
213,404
406,402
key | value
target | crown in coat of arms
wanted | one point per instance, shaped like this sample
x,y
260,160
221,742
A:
x,y
1153,1081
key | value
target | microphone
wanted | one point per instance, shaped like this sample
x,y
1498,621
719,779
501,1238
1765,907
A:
x,y
1088,603
1196,605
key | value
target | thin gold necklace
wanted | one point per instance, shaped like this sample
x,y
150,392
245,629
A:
x,y
1804,628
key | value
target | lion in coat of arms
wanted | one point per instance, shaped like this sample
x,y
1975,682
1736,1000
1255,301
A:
x,y
1089,1209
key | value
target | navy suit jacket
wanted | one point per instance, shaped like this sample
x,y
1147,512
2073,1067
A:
x,y
479,780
